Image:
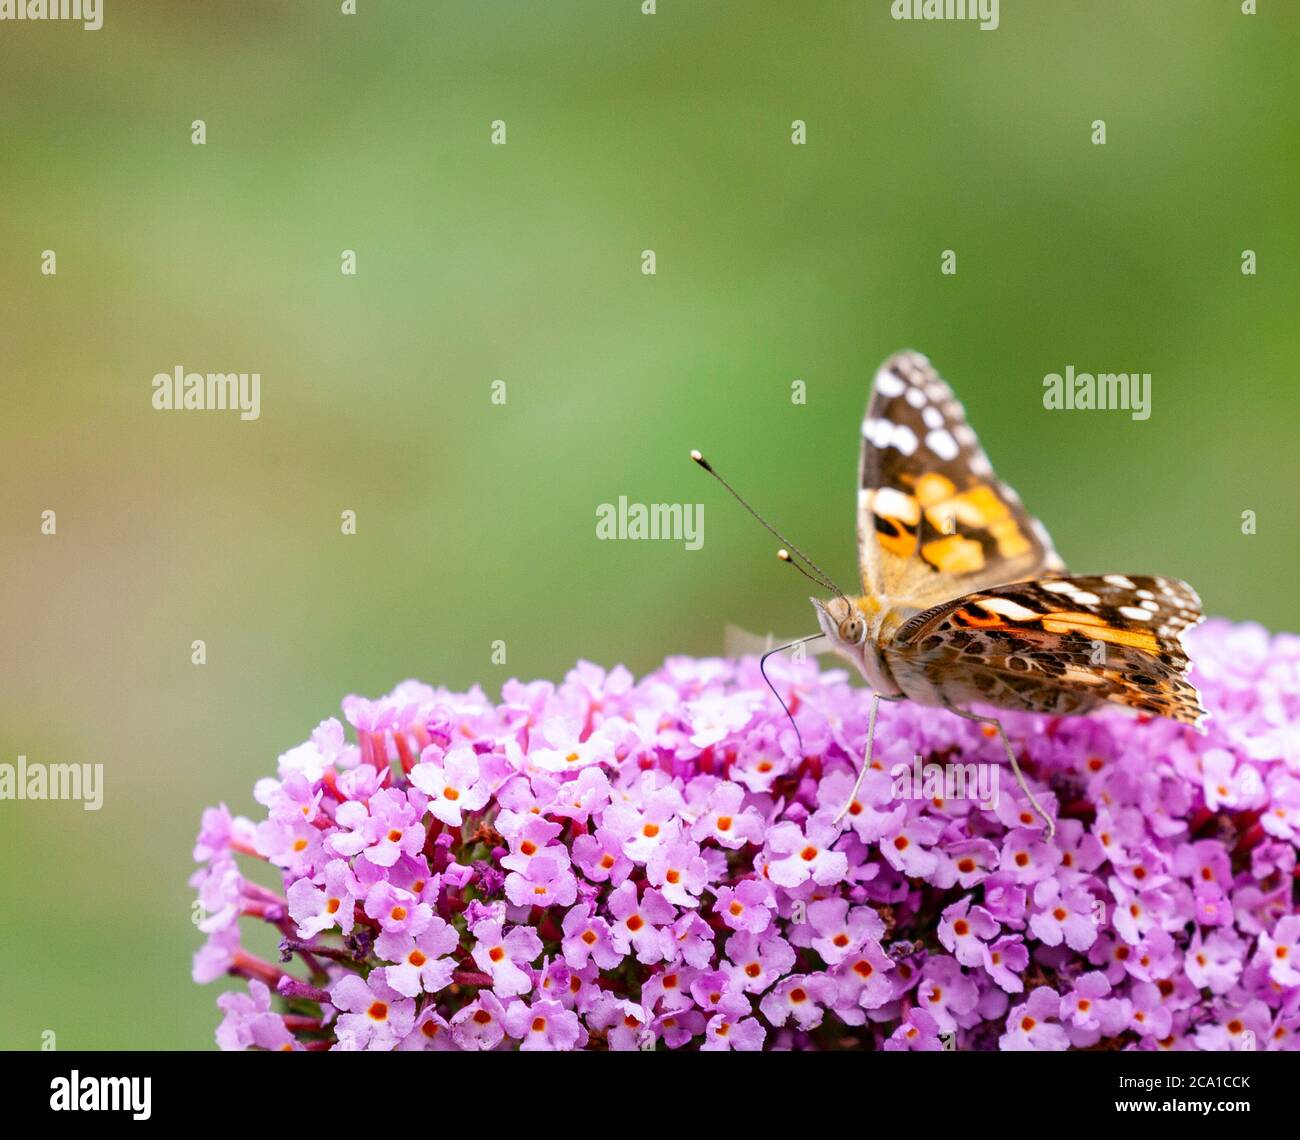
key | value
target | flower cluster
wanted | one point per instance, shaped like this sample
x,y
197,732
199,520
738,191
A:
x,y
623,865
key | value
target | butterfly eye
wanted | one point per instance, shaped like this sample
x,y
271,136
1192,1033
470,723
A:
x,y
853,630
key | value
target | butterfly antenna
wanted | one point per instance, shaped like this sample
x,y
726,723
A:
x,y
784,556
762,668
823,579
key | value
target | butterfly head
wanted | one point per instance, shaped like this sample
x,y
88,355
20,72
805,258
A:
x,y
852,626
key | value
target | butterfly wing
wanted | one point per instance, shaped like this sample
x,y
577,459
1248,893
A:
x,y
1059,645
934,522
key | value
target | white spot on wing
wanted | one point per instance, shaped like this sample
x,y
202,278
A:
x,y
1008,609
893,504
883,434
887,384
904,439
942,444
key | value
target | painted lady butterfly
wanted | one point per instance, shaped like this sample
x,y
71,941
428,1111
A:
x,y
964,599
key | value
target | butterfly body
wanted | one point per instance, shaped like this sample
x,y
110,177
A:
x,y
965,600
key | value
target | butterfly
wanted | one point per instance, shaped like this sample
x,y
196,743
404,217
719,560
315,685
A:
x,y
964,599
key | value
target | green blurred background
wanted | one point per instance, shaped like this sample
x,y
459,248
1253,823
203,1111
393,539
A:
x,y
522,263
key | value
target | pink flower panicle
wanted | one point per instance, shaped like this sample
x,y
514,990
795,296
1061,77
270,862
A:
x,y
629,865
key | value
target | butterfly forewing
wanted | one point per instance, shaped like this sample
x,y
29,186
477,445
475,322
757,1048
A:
x,y
934,522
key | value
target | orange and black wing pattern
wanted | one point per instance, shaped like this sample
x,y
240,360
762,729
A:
x,y
1058,644
934,521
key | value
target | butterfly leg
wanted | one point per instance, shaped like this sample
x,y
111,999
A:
x,y
1011,758
876,698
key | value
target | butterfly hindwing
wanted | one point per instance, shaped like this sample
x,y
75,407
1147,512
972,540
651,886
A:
x,y
934,522
1058,644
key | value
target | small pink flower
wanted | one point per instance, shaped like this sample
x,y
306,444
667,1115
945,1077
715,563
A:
x,y
454,785
505,957
373,1015
796,856
746,906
